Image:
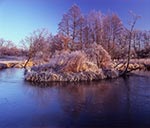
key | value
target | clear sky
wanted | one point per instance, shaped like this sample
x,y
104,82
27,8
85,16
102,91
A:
x,y
19,18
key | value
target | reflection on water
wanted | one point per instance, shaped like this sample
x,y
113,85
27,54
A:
x,y
108,103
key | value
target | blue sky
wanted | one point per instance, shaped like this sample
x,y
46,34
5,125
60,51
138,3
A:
x,y
18,18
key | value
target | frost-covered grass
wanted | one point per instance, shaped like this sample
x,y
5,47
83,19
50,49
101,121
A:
x,y
98,55
141,61
135,64
92,63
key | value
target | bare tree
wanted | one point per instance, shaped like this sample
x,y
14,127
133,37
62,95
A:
x,y
56,44
2,41
9,48
64,25
72,24
38,45
130,37
113,29
93,30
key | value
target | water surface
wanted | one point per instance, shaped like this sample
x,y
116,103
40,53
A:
x,y
107,103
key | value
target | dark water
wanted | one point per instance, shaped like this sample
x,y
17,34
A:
x,y
110,103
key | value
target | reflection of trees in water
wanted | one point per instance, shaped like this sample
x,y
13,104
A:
x,y
94,99
119,100
98,101
41,94
137,95
128,98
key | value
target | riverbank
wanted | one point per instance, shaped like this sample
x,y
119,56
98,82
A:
x,y
74,67
13,62
50,72
135,64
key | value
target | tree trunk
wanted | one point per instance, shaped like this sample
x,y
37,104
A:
x,y
130,41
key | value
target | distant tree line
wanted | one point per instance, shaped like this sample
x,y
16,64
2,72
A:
x,y
8,48
77,31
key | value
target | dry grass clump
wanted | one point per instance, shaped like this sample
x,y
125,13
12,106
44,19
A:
x,y
98,55
68,62
66,76
75,62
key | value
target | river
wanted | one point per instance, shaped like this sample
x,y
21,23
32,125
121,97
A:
x,y
121,102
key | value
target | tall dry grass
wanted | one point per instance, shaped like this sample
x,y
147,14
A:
x,y
98,55
75,61
93,63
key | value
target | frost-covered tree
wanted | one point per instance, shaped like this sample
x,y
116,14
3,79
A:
x,y
93,27
72,24
38,45
113,29
130,31
7,47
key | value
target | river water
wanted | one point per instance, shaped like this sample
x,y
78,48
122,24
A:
x,y
121,102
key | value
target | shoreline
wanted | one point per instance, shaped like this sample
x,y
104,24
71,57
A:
x,y
33,74
14,64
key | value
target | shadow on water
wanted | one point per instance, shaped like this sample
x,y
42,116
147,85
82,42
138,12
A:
x,y
107,103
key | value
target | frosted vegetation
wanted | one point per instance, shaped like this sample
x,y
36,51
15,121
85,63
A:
x,y
87,47
92,63
84,48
